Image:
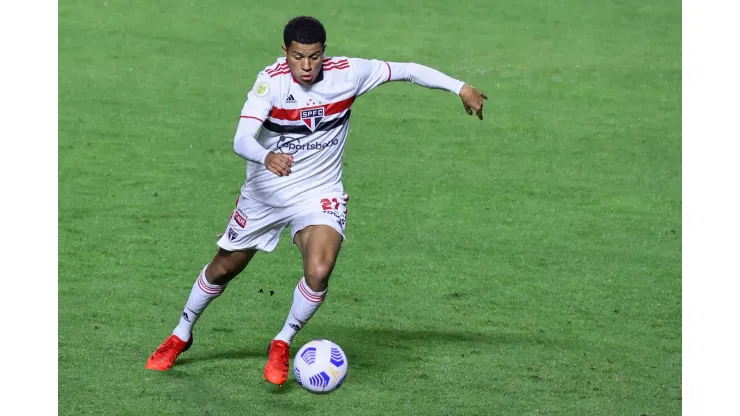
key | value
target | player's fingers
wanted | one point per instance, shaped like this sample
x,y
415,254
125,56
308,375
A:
x,y
283,160
468,109
485,97
278,170
479,113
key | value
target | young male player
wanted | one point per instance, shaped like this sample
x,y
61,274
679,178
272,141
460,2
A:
x,y
292,130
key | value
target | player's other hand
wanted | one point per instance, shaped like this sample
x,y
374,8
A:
x,y
279,163
472,100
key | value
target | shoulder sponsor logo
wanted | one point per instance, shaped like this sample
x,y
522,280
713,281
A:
x,y
261,89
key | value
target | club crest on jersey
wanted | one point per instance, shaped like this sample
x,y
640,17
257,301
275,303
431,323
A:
x,y
312,117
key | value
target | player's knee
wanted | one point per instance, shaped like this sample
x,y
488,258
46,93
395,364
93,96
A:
x,y
226,265
219,273
317,274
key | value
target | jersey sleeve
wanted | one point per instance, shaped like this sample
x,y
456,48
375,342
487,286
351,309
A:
x,y
424,76
260,99
255,111
372,73
369,73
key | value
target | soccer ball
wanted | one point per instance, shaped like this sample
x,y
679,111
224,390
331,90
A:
x,y
320,366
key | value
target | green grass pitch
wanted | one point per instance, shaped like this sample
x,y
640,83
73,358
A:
x,y
529,264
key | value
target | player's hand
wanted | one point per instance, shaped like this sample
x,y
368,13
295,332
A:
x,y
472,99
279,163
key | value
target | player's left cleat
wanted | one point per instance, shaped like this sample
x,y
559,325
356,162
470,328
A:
x,y
276,370
164,357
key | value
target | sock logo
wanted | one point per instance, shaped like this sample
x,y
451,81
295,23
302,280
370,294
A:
x,y
292,325
185,316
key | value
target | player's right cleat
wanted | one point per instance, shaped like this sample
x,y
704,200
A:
x,y
276,370
164,357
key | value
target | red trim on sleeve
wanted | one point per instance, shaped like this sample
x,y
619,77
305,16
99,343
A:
x,y
389,71
256,118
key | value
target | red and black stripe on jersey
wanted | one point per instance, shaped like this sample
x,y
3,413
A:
x,y
277,114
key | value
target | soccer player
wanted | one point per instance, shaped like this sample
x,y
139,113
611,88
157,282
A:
x,y
292,132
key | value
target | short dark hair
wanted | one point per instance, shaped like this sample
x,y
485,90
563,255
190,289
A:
x,y
304,29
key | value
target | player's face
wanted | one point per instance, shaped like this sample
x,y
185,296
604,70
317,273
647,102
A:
x,y
304,61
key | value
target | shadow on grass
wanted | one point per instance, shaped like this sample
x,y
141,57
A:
x,y
376,350
224,355
385,348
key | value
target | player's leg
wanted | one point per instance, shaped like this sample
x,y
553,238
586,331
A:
x,y
210,284
319,246
318,232
237,247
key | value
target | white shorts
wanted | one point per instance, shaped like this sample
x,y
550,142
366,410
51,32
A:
x,y
254,225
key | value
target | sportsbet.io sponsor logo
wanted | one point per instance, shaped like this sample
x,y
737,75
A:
x,y
292,145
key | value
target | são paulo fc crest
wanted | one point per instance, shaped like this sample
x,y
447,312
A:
x,y
312,117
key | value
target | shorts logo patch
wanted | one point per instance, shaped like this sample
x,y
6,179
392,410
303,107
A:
x,y
240,219
232,234
312,116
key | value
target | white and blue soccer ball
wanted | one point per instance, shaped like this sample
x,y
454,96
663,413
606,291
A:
x,y
320,366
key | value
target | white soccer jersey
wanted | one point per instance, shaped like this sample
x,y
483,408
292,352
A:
x,y
311,123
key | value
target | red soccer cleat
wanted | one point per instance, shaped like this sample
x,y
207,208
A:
x,y
163,358
276,370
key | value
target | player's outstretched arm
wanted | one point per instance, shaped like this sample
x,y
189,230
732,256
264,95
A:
x,y
425,76
372,73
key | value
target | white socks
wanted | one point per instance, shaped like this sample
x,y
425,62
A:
x,y
200,296
305,304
